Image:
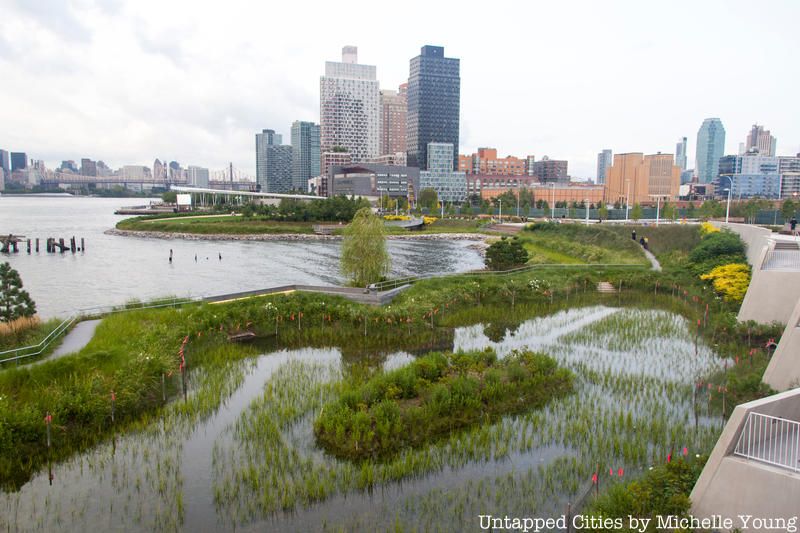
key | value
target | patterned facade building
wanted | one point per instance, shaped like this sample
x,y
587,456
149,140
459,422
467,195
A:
x,y
350,107
450,185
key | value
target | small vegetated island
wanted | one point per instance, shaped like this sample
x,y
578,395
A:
x,y
434,396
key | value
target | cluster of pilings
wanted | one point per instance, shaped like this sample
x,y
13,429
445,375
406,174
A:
x,y
12,243
54,246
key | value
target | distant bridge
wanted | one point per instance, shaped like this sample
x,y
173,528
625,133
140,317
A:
x,y
224,192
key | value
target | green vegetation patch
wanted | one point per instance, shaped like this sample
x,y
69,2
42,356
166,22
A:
x,y
433,396
583,244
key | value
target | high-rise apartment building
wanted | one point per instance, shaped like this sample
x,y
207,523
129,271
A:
x,y
450,186
759,140
710,147
5,161
394,111
197,176
88,167
604,161
639,178
434,95
273,163
485,161
680,154
305,153
349,107
550,170
19,161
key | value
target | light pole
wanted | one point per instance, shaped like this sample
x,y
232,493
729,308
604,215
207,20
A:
x,y
658,207
586,202
501,210
730,190
553,205
627,198
518,193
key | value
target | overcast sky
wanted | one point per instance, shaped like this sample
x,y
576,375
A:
x,y
129,81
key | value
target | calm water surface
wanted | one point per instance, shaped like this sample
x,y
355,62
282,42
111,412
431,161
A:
x,y
116,269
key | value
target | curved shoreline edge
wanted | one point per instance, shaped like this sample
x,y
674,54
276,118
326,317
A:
x,y
288,236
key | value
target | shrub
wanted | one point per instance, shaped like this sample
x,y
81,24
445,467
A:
x,y
722,243
730,281
506,254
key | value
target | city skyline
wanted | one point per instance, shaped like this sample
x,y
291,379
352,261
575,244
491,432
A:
x,y
213,92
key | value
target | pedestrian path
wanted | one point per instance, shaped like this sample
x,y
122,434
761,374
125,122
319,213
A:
x,y
75,340
652,259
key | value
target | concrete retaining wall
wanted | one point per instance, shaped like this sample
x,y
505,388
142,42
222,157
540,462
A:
x,y
753,236
783,371
731,486
771,296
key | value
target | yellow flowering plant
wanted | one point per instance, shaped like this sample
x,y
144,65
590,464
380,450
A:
x,y
730,281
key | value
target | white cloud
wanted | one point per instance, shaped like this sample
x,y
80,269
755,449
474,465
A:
x,y
128,81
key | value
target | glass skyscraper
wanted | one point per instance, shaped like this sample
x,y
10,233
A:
x,y
434,95
273,163
680,154
710,148
305,156
604,160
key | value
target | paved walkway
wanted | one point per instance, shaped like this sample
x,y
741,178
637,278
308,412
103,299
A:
x,y
75,341
652,259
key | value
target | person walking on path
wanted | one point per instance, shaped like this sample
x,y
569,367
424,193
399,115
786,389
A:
x,y
646,244
633,235
793,225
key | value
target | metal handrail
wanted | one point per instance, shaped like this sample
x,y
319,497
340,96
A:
x,y
770,439
393,283
781,259
38,349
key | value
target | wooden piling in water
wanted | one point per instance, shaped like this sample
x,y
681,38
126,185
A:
x,y
83,245
37,245
61,245
29,247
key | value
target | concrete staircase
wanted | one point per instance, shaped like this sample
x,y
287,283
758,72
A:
x,y
605,287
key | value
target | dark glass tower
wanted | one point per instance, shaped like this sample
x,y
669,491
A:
x,y
434,94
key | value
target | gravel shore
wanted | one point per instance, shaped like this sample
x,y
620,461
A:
x,y
478,237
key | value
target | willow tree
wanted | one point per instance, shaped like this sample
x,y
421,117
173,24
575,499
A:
x,y
364,256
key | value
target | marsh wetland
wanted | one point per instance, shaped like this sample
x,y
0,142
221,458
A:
x,y
238,451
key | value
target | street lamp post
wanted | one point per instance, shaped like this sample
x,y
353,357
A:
x,y
553,205
501,210
627,198
658,207
586,202
518,193
730,190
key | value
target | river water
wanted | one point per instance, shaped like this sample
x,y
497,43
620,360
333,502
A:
x,y
114,270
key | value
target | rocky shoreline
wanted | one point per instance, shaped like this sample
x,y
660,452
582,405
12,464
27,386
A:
x,y
478,237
